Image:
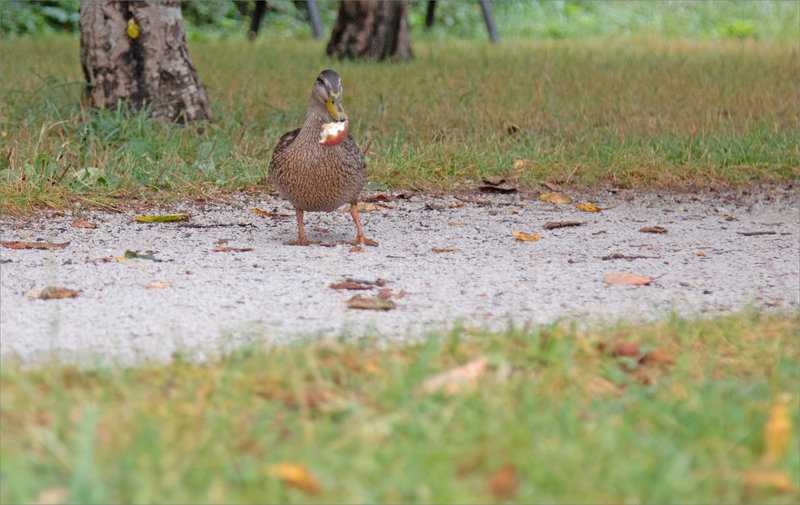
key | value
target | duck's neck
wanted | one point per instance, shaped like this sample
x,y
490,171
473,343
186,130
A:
x,y
315,118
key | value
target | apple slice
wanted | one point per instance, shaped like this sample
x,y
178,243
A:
x,y
333,133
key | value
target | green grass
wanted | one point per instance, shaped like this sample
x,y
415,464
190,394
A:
x,y
629,111
577,423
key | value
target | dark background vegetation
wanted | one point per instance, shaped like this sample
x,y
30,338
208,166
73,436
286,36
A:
x,y
538,19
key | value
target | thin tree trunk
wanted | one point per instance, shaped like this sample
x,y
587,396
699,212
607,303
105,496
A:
x,y
371,29
136,50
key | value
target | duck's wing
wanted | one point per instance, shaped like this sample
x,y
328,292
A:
x,y
284,142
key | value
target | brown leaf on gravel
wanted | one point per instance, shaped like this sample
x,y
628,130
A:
x,y
369,207
370,303
555,197
378,198
656,357
80,223
626,279
552,225
357,249
17,244
231,249
158,285
118,259
653,229
525,237
444,249
503,483
588,207
495,180
457,379
273,214
351,285
52,293
386,293
497,184
618,256
296,476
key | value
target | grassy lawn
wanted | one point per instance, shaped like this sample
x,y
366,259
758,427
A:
x,y
626,110
558,414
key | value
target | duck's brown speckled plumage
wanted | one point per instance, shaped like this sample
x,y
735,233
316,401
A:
x,y
316,177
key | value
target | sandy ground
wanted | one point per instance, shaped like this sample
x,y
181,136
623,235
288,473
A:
x,y
453,259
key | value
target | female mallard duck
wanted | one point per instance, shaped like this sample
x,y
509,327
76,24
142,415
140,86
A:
x,y
317,171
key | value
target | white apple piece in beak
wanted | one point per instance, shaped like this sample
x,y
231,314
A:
x,y
333,133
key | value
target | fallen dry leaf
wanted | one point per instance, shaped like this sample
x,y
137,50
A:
x,y
231,249
629,349
444,249
52,293
618,256
457,379
16,244
370,207
778,430
80,223
357,249
598,386
555,197
118,259
381,197
495,180
588,207
351,285
701,254
370,303
627,279
552,225
777,480
386,293
158,285
503,483
497,184
274,214
162,219
653,229
525,237
51,496
656,357
296,476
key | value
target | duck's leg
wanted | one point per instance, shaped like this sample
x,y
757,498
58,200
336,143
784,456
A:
x,y
301,237
360,238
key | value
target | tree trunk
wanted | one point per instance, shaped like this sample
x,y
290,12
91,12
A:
x,y
373,29
136,50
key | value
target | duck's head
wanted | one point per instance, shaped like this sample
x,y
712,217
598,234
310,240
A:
x,y
327,92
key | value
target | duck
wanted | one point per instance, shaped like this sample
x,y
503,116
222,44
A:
x,y
319,167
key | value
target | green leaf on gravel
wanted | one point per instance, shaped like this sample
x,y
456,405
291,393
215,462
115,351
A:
x,y
134,254
162,219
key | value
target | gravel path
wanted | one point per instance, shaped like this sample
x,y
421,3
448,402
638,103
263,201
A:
x,y
721,252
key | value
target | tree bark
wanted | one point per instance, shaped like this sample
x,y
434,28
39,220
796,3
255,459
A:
x,y
372,29
136,50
